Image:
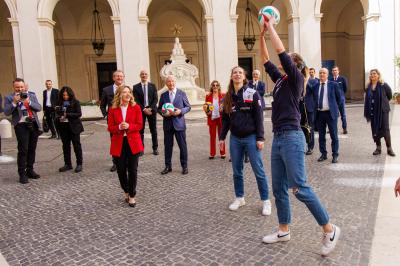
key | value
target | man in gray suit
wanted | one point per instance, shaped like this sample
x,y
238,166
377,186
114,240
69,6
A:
x,y
23,105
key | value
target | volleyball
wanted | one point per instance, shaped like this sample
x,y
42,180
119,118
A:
x,y
166,107
268,12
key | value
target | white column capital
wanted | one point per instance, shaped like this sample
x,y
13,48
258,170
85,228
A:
x,y
208,19
371,17
115,20
46,22
293,18
13,22
143,19
234,18
319,16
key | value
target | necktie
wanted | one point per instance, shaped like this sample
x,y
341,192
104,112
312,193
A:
x,y
145,95
321,96
28,109
171,96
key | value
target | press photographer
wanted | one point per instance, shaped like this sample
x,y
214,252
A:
x,y
23,105
68,121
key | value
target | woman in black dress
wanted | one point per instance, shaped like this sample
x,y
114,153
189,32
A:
x,y
376,110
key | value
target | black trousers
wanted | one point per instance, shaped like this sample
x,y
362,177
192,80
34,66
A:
x,y
67,136
50,115
27,138
180,137
153,129
127,165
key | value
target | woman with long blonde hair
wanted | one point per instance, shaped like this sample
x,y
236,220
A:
x,y
124,123
376,110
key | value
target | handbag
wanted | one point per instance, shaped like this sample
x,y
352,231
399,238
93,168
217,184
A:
x,y
45,125
307,130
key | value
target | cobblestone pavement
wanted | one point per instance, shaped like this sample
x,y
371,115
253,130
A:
x,y
81,219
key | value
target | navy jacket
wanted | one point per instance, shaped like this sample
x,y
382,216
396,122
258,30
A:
x,y
260,89
309,97
342,82
151,95
15,111
53,97
181,102
245,119
334,98
106,99
287,93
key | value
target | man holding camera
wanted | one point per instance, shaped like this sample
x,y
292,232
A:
x,y
23,105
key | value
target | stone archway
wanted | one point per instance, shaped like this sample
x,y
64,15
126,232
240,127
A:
x,y
342,41
144,6
46,8
7,47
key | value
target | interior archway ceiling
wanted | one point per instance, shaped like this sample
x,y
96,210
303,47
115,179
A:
x,y
5,26
342,16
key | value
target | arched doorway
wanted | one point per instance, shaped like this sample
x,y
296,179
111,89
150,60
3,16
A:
x,y
7,66
342,42
188,17
250,60
77,64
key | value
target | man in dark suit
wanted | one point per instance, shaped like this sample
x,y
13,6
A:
x,y
313,79
309,113
107,97
23,106
327,100
145,94
50,98
258,85
342,82
174,124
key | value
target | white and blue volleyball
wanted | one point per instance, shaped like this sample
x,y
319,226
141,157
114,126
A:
x,y
268,12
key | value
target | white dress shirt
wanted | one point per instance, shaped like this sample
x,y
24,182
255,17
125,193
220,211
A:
x,y
215,112
48,100
145,89
172,95
123,109
325,101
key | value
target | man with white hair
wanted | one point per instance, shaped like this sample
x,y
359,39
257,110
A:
x,y
327,98
258,85
174,123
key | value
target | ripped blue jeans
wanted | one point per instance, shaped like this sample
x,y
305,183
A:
x,y
288,172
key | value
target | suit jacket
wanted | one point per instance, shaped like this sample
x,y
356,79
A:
x,y
15,111
342,82
334,98
209,98
53,97
1,104
181,102
135,121
74,114
151,94
309,97
106,99
386,96
260,89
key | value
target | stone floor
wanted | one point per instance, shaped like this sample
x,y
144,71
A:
x,y
81,219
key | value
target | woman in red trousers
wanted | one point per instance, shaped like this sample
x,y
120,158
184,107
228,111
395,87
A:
x,y
213,109
124,123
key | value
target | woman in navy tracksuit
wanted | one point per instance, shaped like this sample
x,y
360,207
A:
x,y
287,153
243,116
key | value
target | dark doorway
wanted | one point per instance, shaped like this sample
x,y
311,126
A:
x,y
247,64
104,75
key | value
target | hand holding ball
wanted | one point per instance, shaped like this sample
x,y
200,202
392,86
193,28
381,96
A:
x,y
167,108
267,14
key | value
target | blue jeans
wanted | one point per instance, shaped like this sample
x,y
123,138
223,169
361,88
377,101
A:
x,y
238,147
288,171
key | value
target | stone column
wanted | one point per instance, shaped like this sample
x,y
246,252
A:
x,y
372,50
118,41
397,43
46,30
17,47
294,33
210,48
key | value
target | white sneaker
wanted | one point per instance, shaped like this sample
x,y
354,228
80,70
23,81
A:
x,y
329,240
277,236
266,210
239,202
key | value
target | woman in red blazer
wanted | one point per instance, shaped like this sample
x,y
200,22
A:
x,y
213,109
124,123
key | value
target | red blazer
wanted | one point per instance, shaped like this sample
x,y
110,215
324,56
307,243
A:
x,y
209,98
135,121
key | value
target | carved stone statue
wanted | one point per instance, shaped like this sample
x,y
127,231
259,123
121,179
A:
x,y
185,74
